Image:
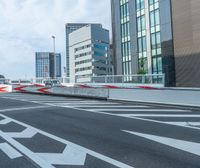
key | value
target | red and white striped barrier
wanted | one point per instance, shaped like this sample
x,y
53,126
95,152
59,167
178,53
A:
x,y
36,88
5,88
119,86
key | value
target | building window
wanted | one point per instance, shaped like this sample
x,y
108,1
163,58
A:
x,y
141,37
125,38
155,36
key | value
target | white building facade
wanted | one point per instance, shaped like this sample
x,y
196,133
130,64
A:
x,y
89,52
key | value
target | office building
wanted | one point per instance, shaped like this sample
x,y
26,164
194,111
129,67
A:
x,y
89,52
48,64
69,28
157,36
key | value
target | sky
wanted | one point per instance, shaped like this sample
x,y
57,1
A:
x,y
26,26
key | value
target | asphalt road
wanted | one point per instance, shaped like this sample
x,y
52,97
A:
x,y
64,132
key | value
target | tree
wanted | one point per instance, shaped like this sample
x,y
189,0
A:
x,y
142,70
1,76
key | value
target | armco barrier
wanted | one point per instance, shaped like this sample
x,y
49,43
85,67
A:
x,y
5,88
183,97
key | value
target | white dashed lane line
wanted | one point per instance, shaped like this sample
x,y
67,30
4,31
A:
x,y
143,110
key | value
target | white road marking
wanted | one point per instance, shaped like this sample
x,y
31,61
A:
x,y
67,105
27,133
10,151
117,115
70,156
24,108
127,116
159,115
110,106
83,102
5,121
144,110
39,161
186,146
42,162
61,101
192,124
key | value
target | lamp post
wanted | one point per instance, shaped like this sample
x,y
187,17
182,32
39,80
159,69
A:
x,y
54,53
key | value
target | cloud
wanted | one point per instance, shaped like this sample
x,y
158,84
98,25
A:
x,y
26,26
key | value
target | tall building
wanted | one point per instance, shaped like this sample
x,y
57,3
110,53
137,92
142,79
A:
x,y
89,52
157,36
69,28
46,64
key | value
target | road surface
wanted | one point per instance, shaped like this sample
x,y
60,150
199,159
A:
x,y
65,132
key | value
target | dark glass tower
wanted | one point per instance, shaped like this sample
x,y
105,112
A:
x,y
143,41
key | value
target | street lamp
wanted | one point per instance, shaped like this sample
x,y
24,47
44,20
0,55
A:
x,y
54,53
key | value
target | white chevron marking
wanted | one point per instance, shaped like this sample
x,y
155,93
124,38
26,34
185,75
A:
x,y
27,133
9,151
70,156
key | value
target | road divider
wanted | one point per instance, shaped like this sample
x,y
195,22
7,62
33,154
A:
x,y
5,88
64,91
140,93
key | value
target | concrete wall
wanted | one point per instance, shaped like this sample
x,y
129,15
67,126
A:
x,y
86,92
162,96
66,91
186,97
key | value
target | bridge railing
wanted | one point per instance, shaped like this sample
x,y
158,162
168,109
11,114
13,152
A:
x,y
134,79
158,79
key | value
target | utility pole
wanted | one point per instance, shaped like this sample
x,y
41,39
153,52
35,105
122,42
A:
x,y
54,53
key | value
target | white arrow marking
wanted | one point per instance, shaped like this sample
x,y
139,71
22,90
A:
x,y
42,162
27,133
39,161
186,146
9,151
70,156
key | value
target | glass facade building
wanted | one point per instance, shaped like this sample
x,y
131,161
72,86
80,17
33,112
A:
x,y
139,41
46,64
125,37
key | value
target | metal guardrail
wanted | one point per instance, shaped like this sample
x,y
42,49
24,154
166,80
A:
x,y
134,79
4,81
109,79
41,80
